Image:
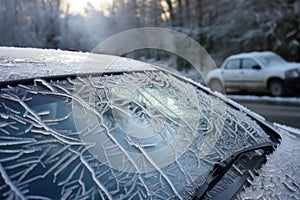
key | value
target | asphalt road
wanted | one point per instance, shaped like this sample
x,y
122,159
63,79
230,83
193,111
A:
x,y
283,114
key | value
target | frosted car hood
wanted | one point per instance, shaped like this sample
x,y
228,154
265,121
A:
x,y
24,63
280,176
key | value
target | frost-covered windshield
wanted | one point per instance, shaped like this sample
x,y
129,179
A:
x,y
145,135
271,59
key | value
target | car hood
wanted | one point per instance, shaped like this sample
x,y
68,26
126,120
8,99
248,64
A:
x,y
26,63
279,177
286,66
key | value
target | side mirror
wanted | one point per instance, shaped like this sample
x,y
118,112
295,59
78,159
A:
x,y
257,67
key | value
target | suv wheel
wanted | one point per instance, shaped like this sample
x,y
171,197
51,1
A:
x,y
276,88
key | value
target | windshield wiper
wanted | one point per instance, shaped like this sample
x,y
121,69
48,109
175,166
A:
x,y
220,168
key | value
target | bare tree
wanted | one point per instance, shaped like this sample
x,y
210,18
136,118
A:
x,y
33,23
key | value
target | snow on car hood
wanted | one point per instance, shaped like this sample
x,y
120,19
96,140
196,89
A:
x,y
21,63
279,178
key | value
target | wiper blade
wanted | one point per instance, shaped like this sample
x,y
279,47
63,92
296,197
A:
x,y
220,168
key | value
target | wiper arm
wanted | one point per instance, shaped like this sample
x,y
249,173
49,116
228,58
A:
x,y
220,168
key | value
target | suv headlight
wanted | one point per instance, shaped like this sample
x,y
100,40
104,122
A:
x,y
294,73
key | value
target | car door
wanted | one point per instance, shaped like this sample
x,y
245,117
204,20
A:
x,y
231,73
252,74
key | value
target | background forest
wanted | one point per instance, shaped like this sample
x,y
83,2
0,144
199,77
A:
x,y
222,27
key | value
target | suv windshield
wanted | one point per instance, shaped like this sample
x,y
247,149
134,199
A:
x,y
271,60
138,135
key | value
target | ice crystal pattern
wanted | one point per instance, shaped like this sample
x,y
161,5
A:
x,y
145,135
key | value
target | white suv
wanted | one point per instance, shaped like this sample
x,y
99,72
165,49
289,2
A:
x,y
256,71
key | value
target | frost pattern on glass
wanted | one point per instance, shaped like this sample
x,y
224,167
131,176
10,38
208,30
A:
x,y
132,136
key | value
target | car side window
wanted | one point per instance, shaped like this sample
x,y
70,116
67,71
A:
x,y
248,63
233,64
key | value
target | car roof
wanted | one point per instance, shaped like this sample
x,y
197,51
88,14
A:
x,y
28,63
253,54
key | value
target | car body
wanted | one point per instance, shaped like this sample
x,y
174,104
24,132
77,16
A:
x,y
264,71
85,126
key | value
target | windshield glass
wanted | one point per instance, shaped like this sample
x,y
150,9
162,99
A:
x,y
136,135
271,60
